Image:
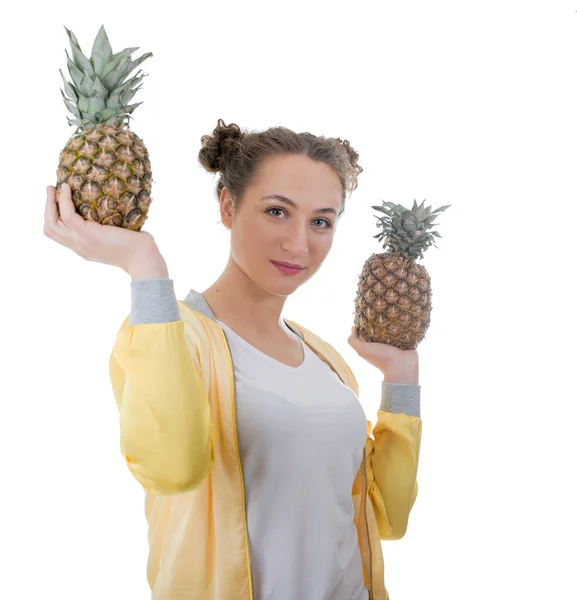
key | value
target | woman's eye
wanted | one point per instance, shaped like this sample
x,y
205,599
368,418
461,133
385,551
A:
x,y
327,223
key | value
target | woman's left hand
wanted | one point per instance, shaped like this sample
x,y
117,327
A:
x,y
397,366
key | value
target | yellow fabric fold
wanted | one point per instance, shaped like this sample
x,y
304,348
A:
x,y
166,433
392,465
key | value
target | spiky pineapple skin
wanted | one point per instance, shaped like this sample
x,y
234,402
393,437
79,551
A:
x,y
393,301
108,169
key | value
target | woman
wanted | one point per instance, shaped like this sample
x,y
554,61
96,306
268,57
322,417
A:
x,y
261,476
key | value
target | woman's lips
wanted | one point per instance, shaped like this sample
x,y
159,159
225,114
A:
x,y
287,270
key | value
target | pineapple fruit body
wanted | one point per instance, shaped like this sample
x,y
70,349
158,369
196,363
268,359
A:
x,y
108,170
393,301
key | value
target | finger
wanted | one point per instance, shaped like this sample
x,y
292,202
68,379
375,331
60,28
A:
x,y
54,226
67,209
51,214
353,337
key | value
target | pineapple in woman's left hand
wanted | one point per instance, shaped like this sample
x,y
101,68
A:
x,y
393,301
105,163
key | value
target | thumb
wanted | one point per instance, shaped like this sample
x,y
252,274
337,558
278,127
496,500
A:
x,y
353,338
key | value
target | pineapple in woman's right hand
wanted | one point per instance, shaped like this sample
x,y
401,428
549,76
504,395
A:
x,y
104,162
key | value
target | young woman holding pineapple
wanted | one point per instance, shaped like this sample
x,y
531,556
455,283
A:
x,y
262,476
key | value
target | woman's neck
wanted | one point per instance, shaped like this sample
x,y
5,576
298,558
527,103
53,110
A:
x,y
238,302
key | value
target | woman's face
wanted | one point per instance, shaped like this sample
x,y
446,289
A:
x,y
272,229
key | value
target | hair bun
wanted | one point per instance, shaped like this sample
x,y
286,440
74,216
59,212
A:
x,y
219,146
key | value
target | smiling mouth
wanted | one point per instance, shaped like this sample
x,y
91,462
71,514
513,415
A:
x,y
286,269
289,265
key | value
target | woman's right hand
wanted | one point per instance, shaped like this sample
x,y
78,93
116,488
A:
x,y
92,241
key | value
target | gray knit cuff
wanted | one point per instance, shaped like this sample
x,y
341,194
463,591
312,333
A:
x,y
401,398
153,301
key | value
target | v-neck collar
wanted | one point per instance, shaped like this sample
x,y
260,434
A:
x,y
198,302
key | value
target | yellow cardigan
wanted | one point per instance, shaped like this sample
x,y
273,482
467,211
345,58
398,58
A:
x,y
174,386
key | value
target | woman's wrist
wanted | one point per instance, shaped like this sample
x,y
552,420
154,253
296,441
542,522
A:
x,y
405,375
148,263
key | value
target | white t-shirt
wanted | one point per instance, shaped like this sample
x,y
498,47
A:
x,y
301,435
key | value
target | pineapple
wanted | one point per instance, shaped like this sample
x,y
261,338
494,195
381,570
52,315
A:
x,y
393,301
105,163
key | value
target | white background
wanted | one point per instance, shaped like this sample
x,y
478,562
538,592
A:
x,y
462,103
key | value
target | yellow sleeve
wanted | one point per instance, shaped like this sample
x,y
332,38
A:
x,y
167,436
392,462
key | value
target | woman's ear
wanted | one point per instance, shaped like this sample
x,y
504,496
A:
x,y
226,208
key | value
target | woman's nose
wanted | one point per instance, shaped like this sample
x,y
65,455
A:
x,y
296,241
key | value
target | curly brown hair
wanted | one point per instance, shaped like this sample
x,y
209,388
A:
x,y
237,156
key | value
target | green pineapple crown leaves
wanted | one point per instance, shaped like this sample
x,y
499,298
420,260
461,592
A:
x,y
405,231
98,92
